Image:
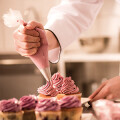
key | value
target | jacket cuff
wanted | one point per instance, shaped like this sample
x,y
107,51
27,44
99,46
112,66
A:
x,y
54,55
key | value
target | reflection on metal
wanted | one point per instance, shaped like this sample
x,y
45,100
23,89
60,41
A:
x,y
15,61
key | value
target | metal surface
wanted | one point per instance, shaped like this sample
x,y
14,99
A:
x,y
84,100
15,61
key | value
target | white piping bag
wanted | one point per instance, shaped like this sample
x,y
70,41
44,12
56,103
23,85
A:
x,y
40,59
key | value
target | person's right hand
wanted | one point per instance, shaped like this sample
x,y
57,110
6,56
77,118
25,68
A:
x,y
109,89
27,39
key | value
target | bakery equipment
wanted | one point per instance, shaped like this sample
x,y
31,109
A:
x,y
95,44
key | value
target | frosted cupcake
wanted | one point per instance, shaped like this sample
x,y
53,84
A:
x,y
71,108
48,109
10,110
69,88
28,104
57,80
47,91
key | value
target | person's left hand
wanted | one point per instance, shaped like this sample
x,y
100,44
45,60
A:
x,y
109,89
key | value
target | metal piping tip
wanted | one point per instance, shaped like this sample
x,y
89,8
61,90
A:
x,y
46,73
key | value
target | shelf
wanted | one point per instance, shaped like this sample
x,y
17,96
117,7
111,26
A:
x,y
15,61
71,57
80,57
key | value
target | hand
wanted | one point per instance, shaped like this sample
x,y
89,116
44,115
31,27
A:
x,y
109,89
27,39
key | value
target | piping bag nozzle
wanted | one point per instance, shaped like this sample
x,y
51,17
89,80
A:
x,y
46,73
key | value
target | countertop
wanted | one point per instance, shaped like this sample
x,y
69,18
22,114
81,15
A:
x,y
88,114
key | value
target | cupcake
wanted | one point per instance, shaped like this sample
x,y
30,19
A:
x,y
71,108
57,80
10,110
48,109
47,91
69,88
28,104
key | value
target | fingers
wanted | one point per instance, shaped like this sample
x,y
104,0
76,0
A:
x,y
27,45
26,52
42,33
110,97
98,90
102,94
22,29
33,25
43,37
25,38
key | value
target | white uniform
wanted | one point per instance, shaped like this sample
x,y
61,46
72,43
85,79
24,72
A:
x,y
69,19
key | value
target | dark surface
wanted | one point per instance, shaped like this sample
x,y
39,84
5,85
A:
x,y
88,110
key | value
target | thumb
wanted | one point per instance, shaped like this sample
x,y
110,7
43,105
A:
x,y
33,25
43,38
98,90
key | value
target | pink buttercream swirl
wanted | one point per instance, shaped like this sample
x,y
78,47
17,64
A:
x,y
10,105
28,102
48,90
57,80
47,105
70,102
68,86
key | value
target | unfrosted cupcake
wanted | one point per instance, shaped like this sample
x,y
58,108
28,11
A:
x,y
47,91
28,104
71,108
48,109
69,88
10,110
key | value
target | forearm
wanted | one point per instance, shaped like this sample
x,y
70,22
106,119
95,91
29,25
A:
x,y
53,46
52,40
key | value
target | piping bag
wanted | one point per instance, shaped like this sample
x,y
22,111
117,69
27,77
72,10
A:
x,y
14,18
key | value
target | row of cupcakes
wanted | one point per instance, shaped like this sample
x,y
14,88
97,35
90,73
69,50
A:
x,y
23,109
29,108
58,85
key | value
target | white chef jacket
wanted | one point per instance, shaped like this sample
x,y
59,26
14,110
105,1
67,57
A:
x,y
69,19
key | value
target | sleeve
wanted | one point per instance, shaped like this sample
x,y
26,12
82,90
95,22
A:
x,y
70,18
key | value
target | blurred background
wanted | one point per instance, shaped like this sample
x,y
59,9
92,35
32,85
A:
x,y
90,60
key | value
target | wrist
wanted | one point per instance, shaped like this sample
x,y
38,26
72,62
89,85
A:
x,y
52,40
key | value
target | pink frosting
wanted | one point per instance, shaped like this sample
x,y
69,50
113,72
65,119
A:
x,y
48,89
70,102
57,80
28,102
10,105
47,105
69,87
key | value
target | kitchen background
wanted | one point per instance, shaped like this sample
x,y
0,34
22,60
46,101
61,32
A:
x,y
93,58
